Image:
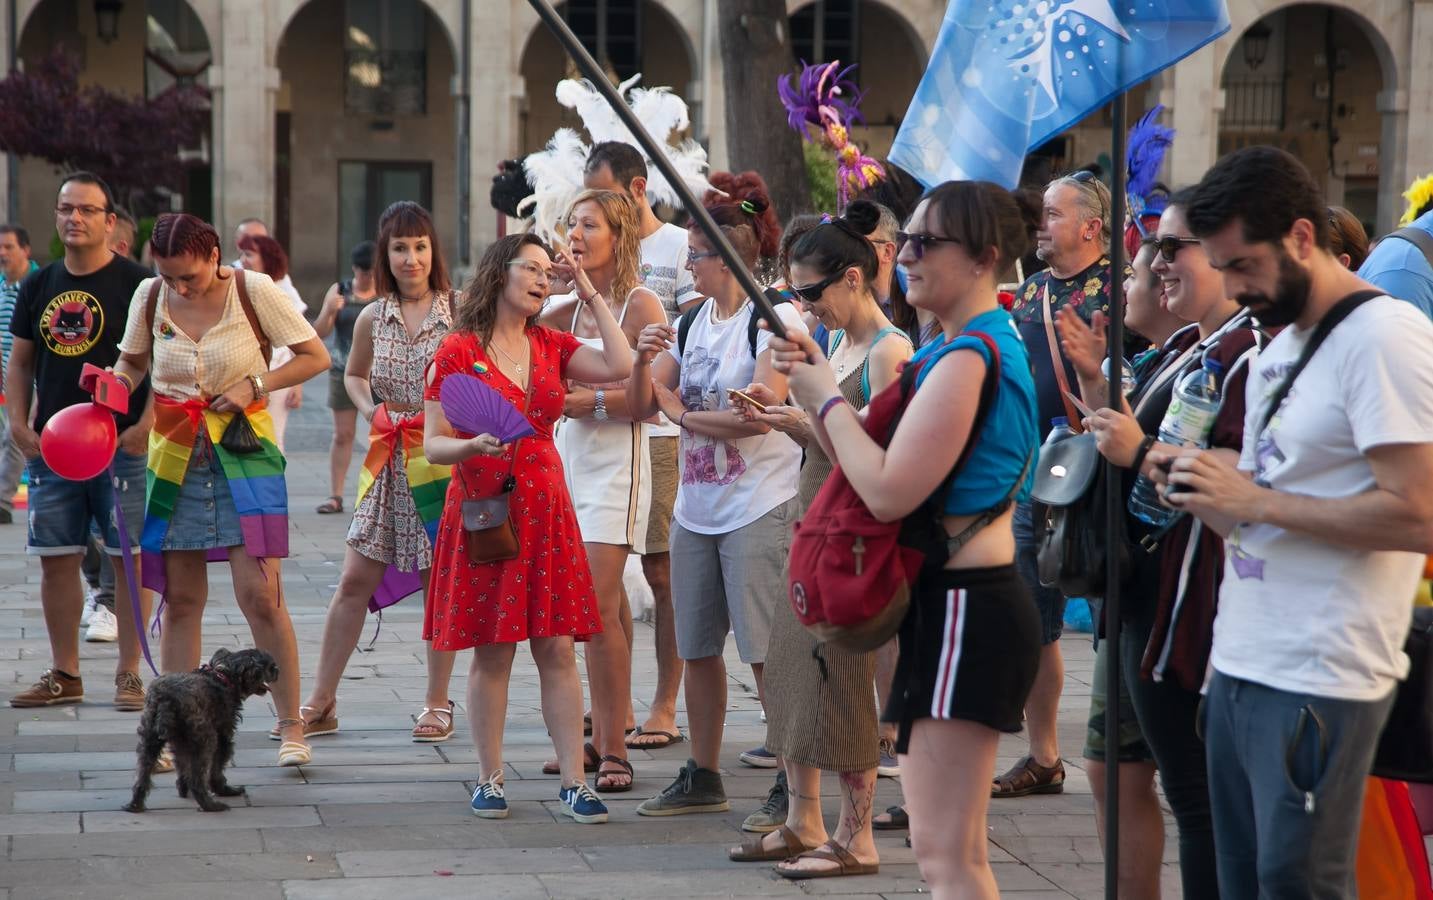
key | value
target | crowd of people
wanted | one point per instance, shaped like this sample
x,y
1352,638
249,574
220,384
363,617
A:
x,y
1267,595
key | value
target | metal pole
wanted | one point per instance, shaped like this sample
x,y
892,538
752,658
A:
x,y
1114,506
593,73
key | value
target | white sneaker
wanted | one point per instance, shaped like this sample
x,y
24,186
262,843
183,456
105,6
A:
x,y
103,626
90,606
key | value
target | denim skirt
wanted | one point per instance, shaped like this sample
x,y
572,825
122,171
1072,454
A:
x,y
204,513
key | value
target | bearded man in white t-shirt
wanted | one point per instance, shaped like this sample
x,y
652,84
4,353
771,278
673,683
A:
x,y
615,166
1326,518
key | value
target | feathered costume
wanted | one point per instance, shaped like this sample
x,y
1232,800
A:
x,y
1145,198
1418,195
824,96
555,173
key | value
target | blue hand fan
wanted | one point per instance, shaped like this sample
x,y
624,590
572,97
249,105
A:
x,y
475,407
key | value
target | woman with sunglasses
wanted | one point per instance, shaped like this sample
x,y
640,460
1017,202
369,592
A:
x,y
820,709
970,643
736,502
606,461
1172,590
485,593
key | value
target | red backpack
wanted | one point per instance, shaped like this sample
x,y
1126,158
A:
x,y
851,575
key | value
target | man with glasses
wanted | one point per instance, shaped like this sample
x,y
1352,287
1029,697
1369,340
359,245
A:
x,y
70,313
1074,240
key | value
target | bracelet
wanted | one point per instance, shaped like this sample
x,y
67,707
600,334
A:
x,y
257,382
681,419
1140,454
128,382
829,405
599,405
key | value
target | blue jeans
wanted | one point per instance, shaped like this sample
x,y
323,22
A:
x,y
63,513
1049,601
1286,779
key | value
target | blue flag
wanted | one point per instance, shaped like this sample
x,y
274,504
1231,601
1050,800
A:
x,y
1008,75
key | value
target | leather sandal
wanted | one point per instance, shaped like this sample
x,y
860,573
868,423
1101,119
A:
x,y
433,734
751,849
313,727
591,761
1029,777
846,864
333,504
626,769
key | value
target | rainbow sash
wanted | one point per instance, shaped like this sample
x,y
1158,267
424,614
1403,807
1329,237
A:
x,y
256,482
427,482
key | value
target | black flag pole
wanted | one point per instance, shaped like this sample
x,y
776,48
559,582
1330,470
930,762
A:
x,y
654,151
1114,505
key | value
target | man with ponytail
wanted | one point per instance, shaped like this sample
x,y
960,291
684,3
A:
x,y
69,314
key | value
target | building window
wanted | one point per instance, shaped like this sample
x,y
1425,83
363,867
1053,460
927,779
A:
x,y
611,30
365,190
828,30
176,49
385,59
1253,103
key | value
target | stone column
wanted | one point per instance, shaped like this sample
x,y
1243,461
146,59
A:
x,y
1195,102
244,83
1417,140
1395,158
495,91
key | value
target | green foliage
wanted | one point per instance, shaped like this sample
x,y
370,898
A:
x,y
821,173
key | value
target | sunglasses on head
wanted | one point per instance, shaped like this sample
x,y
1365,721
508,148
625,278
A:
x,y
1169,246
921,242
811,293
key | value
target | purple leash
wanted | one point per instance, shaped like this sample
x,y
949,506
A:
x,y
126,552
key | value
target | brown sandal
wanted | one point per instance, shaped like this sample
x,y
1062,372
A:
x,y
751,849
1029,777
626,769
330,506
591,761
846,864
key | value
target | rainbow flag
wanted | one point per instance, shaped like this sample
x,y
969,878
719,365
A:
x,y
256,481
427,482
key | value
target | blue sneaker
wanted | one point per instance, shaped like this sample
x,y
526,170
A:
x,y
582,804
488,799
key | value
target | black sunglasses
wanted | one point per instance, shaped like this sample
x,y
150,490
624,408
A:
x,y
920,242
1169,246
811,293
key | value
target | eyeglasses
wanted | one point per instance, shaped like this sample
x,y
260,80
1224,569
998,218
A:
x,y
695,257
811,293
532,268
65,210
921,242
1169,246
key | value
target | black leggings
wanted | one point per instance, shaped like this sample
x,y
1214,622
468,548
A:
x,y
1166,714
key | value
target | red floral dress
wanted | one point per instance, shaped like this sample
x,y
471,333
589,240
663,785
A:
x,y
546,591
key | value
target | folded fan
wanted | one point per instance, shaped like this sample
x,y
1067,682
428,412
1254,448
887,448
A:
x,y
475,407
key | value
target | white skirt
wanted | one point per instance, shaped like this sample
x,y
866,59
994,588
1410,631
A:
x,y
609,477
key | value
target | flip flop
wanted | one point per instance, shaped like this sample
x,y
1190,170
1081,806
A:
x,y
846,864
591,762
751,849
899,821
626,767
669,739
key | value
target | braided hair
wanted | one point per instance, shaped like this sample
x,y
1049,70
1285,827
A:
x,y
181,234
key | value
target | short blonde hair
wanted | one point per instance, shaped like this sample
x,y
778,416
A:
x,y
1094,201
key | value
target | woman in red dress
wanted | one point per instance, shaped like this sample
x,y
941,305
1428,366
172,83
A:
x,y
545,594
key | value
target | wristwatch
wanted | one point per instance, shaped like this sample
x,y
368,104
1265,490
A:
x,y
599,410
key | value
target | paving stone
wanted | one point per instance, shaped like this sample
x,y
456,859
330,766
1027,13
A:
x,y
429,887
335,839
239,817
132,844
40,823
461,862
760,881
242,890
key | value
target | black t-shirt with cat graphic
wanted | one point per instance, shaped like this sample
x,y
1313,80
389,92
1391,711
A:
x,y
73,320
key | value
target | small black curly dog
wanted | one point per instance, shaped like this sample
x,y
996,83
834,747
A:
x,y
195,713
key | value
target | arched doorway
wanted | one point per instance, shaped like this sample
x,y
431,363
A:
x,y
626,37
364,117
146,50
1307,78
886,49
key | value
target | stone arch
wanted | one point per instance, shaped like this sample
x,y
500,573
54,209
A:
x,y
1380,21
447,12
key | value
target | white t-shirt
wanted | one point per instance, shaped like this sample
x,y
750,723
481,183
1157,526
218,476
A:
x,y
727,484
1296,613
664,273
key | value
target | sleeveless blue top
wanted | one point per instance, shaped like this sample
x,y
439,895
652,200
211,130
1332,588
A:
x,y
1011,430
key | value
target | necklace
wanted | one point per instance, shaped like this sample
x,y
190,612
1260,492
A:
x,y
717,317
516,365
418,299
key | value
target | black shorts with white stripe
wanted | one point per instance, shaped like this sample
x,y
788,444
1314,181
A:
x,y
970,646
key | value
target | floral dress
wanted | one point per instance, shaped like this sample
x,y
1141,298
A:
x,y
547,590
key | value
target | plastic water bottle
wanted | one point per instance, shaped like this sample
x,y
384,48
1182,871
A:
x,y
1188,420
1060,430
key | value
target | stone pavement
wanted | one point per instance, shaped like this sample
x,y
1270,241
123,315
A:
x,y
376,815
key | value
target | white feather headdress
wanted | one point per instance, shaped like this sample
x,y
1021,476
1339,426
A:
x,y
555,173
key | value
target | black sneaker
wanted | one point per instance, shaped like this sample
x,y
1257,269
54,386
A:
x,y
772,814
696,790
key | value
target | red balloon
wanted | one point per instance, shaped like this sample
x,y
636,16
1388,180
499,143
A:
x,y
78,442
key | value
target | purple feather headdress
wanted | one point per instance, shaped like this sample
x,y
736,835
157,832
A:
x,y
823,95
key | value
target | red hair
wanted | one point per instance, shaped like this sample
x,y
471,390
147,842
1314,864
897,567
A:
x,y
741,205
271,252
180,234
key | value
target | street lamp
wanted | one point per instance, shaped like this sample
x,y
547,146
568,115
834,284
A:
x,y
107,19
1256,44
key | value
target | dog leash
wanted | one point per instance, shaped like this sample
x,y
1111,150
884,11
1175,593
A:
x,y
126,553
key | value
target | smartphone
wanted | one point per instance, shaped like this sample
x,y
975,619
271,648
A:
x,y
1084,410
734,394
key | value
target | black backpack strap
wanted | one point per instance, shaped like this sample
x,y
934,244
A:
x,y
1327,324
774,297
1418,238
684,324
